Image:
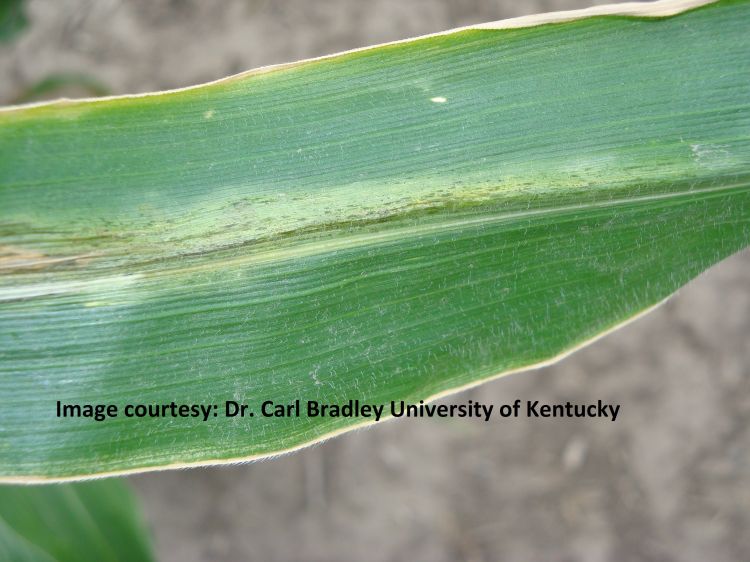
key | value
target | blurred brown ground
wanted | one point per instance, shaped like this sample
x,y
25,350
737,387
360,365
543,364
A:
x,y
668,481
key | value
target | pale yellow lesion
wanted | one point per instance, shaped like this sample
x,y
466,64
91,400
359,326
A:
x,y
14,258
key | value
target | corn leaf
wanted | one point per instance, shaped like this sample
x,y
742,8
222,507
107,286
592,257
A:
x,y
84,522
393,223
12,19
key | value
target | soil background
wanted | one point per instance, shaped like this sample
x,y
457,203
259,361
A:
x,y
668,481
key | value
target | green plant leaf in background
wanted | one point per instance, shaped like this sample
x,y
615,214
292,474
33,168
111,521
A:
x,y
13,19
393,223
83,522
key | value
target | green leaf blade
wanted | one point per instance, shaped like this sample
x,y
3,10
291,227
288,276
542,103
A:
x,y
91,521
385,225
